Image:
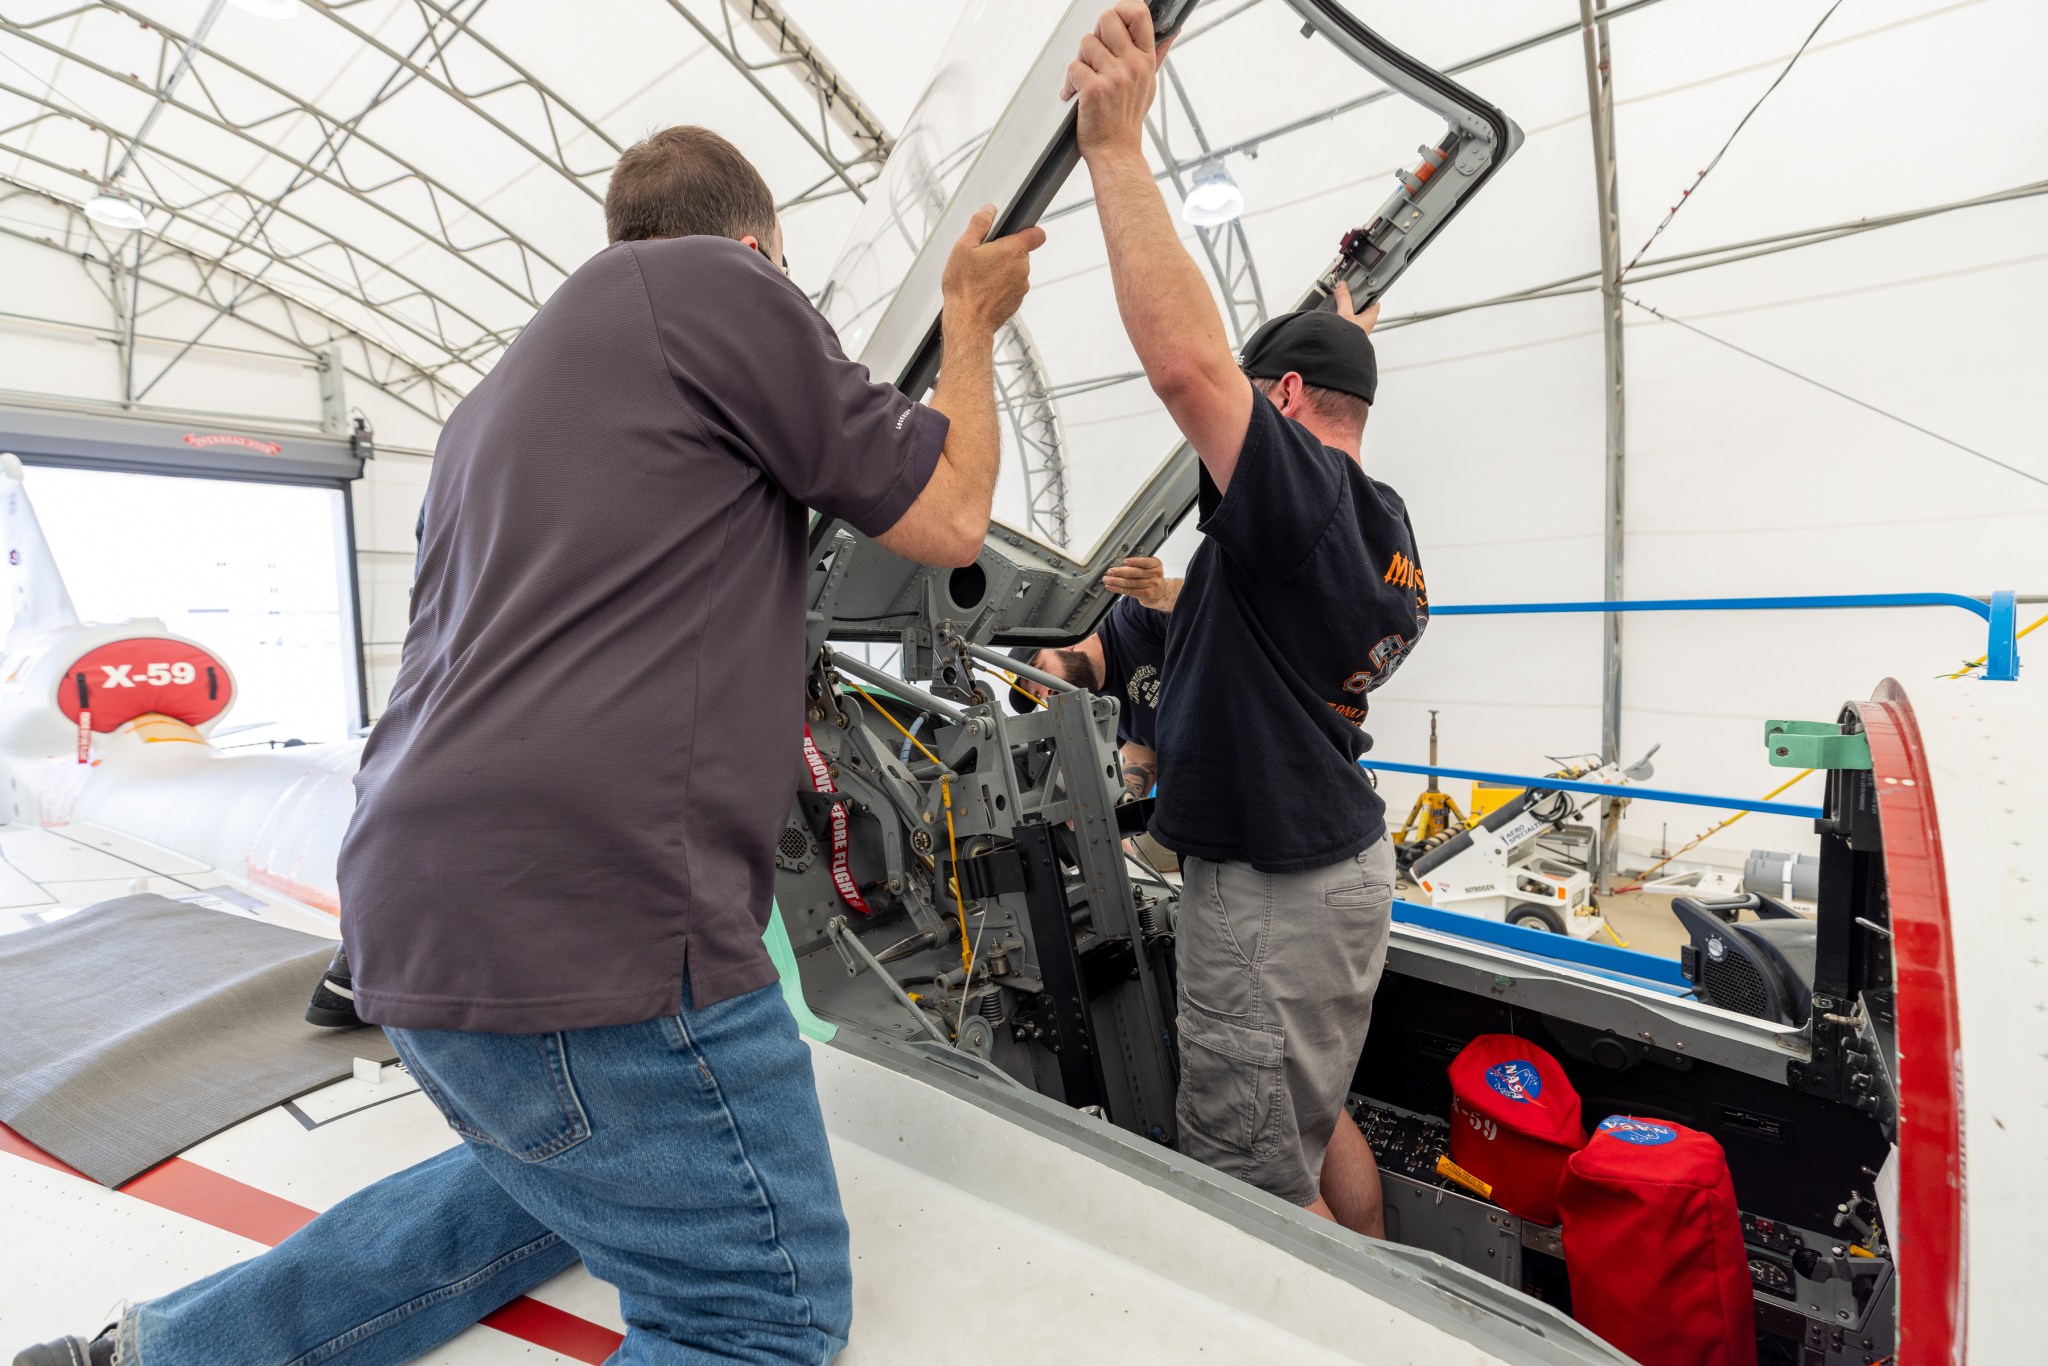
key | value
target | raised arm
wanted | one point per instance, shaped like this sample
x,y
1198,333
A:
x,y
984,282
1166,305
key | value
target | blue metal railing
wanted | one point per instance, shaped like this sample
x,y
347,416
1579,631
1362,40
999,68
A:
x,y
1609,960
2001,664
2001,613
1648,794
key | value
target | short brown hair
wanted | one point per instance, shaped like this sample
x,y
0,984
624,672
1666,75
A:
x,y
1348,411
686,182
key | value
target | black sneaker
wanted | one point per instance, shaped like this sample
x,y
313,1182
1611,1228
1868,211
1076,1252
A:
x,y
71,1351
334,1001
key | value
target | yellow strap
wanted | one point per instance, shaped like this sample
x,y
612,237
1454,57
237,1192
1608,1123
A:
x,y
1452,1171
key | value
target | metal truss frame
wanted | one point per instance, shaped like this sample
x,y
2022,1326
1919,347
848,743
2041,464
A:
x,y
465,352
1228,250
465,347
837,106
1034,415
440,196
302,326
556,159
222,245
455,346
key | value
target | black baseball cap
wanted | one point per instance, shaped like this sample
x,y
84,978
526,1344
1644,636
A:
x,y
1325,350
1023,702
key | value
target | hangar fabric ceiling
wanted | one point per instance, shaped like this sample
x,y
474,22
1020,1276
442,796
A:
x,y
1833,344
422,174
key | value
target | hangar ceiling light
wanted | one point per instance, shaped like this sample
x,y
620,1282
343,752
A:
x,y
268,9
1214,199
114,210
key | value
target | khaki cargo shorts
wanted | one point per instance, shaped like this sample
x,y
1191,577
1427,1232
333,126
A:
x,y
1277,974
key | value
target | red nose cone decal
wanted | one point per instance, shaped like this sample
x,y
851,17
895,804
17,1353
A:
x,y
124,679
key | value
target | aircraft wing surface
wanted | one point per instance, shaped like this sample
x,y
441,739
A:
x,y
46,874
1060,1255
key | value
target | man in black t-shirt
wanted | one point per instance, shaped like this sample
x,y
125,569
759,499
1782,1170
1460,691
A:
x,y
1123,658
1303,597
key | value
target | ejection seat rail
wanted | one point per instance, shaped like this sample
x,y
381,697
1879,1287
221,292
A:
x,y
1999,610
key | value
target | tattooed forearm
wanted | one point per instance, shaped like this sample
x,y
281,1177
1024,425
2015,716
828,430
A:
x,y
1139,777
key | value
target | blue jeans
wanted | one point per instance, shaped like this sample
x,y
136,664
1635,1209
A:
x,y
683,1159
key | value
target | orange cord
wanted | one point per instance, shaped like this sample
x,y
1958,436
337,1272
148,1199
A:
x,y
952,845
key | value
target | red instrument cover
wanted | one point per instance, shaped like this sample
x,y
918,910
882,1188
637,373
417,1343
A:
x,y
1653,1245
124,679
1514,1121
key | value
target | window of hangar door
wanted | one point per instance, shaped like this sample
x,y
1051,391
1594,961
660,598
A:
x,y
244,545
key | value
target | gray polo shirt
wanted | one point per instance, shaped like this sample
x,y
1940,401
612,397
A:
x,y
571,800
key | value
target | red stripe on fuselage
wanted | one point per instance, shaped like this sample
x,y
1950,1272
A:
x,y
1928,1234
558,1330
235,1207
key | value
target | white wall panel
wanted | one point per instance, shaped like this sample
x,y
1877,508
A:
x,y
1490,425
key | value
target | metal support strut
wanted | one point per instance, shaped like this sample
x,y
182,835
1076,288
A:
x,y
1600,106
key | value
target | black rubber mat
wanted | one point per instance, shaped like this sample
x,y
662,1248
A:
x,y
132,1029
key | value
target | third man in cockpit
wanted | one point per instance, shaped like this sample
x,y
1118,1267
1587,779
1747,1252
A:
x,y
1304,595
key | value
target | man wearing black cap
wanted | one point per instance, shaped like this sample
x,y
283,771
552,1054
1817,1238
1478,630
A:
x,y
1304,596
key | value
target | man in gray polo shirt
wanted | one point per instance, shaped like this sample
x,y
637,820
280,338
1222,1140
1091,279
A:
x,y
561,862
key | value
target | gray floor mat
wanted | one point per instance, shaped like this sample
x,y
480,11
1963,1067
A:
x,y
133,1029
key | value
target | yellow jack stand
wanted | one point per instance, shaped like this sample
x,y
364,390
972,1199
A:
x,y
1435,811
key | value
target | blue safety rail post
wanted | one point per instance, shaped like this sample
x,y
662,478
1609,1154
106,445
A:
x,y
2002,655
2001,652
1629,791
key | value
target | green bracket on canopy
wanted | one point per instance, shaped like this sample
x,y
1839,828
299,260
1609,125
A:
x,y
783,954
1814,744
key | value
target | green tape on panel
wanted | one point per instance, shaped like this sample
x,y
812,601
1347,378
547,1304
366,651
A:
x,y
783,954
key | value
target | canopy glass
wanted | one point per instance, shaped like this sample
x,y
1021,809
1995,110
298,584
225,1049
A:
x,y
1082,433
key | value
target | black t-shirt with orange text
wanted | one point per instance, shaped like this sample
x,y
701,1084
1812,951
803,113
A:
x,y
1304,596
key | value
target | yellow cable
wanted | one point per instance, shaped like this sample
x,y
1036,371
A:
x,y
953,848
952,845
1022,691
1979,660
1010,679
873,701
1713,830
